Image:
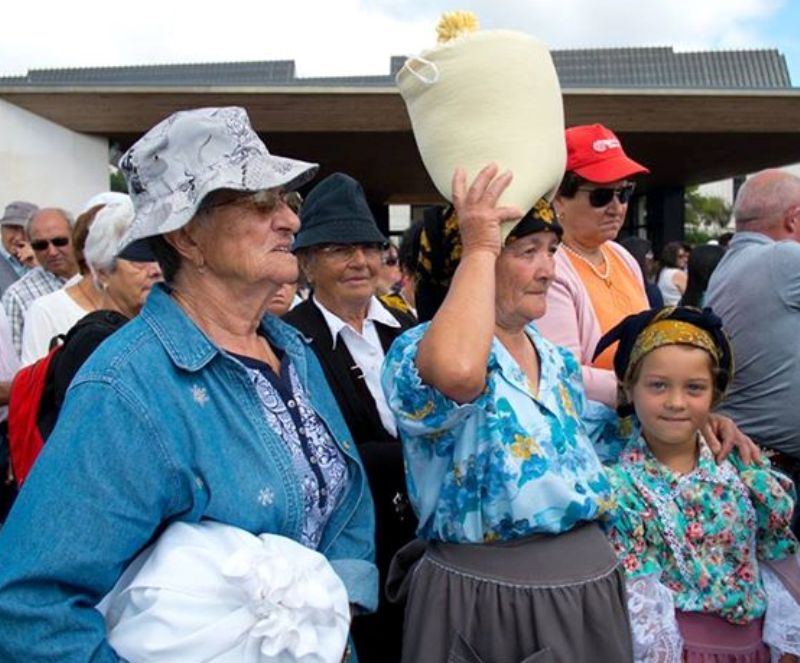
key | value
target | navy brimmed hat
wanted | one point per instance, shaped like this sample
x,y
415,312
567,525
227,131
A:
x,y
138,251
18,213
336,212
641,333
175,165
440,250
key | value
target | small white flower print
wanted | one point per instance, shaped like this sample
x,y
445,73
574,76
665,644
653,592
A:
x,y
266,496
199,394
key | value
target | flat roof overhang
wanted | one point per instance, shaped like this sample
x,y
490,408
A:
x,y
683,136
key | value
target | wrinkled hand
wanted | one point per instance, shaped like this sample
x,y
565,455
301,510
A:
x,y
479,218
23,252
723,436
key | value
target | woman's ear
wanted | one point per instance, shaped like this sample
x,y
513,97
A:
x,y
101,278
183,241
558,206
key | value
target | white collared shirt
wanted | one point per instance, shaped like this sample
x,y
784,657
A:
x,y
366,350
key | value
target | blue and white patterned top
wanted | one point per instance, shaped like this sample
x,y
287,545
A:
x,y
509,464
318,463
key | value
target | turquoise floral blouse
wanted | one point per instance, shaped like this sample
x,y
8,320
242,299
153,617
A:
x,y
513,462
701,533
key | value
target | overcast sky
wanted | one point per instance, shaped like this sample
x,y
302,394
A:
x,y
340,37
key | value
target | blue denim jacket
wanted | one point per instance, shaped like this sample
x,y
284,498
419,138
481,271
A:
x,y
159,426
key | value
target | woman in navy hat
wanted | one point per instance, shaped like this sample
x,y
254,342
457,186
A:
x,y
340,247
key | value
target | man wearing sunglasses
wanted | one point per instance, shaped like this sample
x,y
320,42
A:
x,y
50,234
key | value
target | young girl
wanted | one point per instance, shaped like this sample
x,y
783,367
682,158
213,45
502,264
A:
x,y
708,554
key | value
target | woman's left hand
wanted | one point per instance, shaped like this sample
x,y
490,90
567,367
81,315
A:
x,y
723,436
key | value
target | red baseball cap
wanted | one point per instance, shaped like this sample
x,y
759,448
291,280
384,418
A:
x,y
595,153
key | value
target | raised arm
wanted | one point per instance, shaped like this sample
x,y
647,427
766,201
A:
x,y
454,351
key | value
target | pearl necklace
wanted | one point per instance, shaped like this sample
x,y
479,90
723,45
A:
x,y
604,275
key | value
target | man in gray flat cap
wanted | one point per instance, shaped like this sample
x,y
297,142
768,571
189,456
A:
x,y
14,242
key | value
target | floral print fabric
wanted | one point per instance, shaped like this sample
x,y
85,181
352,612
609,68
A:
x,y
701,533
513,462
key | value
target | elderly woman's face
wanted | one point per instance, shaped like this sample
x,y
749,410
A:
x,y
249,239
130,283
343,274
524,272
587,221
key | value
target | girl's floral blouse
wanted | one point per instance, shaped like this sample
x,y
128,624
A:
x,y
701,533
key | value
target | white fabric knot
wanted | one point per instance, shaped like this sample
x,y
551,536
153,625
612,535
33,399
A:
x,y
212,592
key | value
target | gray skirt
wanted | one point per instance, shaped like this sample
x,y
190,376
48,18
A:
x,y
541,599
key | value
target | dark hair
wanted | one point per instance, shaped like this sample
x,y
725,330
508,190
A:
x,y
408,251
702,262
570,184
724,239
638,247
669,256
168,258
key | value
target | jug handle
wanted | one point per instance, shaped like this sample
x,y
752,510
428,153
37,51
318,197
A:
x,y
427,80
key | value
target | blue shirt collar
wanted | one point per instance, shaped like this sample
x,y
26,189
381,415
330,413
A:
x,y
188,347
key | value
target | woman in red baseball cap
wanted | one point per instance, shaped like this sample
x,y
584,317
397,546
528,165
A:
x,y
598,283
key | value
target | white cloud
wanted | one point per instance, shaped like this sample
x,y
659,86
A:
x,y
347,36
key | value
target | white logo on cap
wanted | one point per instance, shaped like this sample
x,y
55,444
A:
x,y
605,144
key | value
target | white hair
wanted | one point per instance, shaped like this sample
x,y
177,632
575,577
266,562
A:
x,y
104,198
104,241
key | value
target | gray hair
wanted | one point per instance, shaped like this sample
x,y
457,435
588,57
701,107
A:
x,y
67,217
108,229
764,197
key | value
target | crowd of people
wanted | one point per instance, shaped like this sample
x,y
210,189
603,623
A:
x,y
511,437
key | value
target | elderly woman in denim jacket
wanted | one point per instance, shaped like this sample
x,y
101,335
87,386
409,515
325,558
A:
x,y
201,408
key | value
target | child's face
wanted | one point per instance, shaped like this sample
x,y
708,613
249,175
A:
x,y
673,395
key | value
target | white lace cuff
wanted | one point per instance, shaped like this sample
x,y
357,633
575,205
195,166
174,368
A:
x,y
656,637
782,620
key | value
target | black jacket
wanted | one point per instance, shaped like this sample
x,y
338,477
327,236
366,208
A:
x,y
355,400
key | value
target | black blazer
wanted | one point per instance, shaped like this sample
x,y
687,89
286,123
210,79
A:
x,y
355,400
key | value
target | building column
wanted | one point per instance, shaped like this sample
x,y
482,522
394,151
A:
x,y
665,216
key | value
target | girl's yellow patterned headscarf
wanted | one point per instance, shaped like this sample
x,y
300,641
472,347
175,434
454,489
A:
x,y
644,332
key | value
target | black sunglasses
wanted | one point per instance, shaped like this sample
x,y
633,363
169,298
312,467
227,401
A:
x,y
602,196
42,244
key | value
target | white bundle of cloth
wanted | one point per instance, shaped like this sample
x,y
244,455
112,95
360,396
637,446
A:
x,y
212,592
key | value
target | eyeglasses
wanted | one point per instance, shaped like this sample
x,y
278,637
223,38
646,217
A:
x,y
602,196
264,202
391,261
42,244
344,252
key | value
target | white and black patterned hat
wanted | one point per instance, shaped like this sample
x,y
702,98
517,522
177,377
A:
x,y
191,153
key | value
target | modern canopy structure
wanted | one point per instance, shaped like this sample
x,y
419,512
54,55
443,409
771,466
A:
x,y
691,117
